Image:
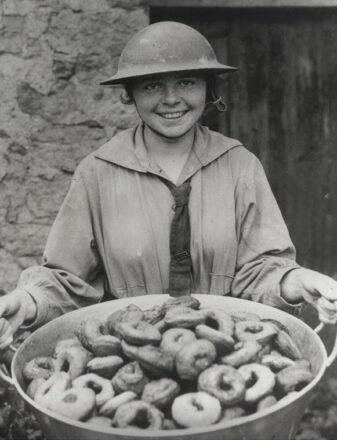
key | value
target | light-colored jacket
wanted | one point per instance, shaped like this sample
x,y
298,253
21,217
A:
x,y
112,232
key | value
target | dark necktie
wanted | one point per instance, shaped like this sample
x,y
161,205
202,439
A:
x,y
180,275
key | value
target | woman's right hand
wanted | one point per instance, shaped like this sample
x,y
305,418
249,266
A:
x,y
15,308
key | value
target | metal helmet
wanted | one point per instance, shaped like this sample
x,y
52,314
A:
x,y
166,47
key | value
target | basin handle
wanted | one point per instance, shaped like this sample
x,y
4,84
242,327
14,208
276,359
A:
x,y
4,374
333,353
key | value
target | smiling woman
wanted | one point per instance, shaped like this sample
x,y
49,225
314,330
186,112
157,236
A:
x,y
168,206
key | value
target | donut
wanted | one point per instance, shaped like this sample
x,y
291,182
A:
x,y
232,413
176,338
39,367
72,360
196,409
169,424
102,421
33,387
130,377
287,346
74,403
223,382
161,392
138,414
194,358
54,385
161,326
183,317
277,324
266,402
131,313
244,352
184,300
110,407
93,336
219,320
154,314
245,316
263,381
293,378
106,366
102,387
139,333
65,344
223,342
259,331
152,359
276,362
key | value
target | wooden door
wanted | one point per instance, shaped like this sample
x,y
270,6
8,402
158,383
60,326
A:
x,y
283,107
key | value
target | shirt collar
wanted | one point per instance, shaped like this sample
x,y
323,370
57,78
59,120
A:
x,y
127,149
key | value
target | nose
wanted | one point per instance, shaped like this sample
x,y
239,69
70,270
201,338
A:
x,y
171,97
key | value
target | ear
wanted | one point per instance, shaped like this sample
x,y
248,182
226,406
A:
x,y
126,97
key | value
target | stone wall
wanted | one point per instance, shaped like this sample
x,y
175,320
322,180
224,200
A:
x,y
53,112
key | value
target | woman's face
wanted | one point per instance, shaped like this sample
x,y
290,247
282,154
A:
x,y
170,104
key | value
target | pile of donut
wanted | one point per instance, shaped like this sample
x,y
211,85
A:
x,y
172,366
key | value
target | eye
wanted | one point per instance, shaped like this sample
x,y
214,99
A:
x,y
186,82
151,87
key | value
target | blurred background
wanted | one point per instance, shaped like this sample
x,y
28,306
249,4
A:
x,y
282,104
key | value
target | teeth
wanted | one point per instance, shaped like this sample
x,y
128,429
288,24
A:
x,y
172,115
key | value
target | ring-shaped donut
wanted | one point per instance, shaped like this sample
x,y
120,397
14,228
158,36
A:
x,y
223,382
263,381
287,346
152,359
154,314
74,403
196,409
223,342
39,367
259,331
131,313
100,421
266,402
130,377
219,320
65,344
106,366
245,316
244,352
110,407
139,333
183,317
72,360
138,414
53,386
102,388
161,392
184,300
34,385
232,413
193,359
174,339
276,362
293,379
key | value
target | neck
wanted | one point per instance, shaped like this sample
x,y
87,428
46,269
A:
x,y
160,146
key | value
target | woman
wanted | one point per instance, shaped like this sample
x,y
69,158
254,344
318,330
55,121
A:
x,y
167,206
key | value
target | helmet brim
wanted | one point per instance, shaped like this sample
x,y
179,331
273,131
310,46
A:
x,y
126,76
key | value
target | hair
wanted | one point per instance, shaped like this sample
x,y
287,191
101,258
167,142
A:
x,y
212,97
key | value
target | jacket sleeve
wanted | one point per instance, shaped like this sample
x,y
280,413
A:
x,y
71,274
265,251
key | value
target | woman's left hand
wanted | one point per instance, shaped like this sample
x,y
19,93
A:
x,y
314,288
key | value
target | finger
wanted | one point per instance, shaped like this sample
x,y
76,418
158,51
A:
x,y
5,343
326,304
327,317
329,290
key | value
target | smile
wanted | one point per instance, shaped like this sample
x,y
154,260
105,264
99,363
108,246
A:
x,y
173,115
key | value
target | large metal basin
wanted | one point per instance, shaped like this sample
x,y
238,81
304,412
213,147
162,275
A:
x,y
279,422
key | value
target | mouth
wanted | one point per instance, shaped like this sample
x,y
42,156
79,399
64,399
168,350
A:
x,y
172,115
